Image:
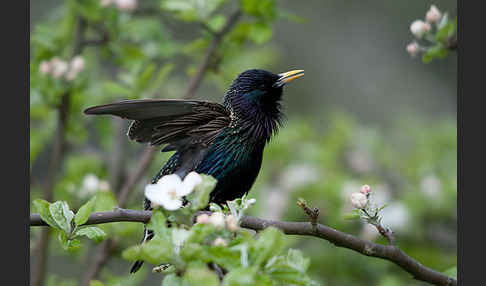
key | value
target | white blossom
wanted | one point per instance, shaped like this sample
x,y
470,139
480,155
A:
x,y
419,28
191,181
59,68
126,5
77,63
220,242
89,186
433,15
358,200
104,186
166,192
217,219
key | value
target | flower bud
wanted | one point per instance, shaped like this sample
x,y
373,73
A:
x,y
419,27
217,219
104,186
126,5
220,242
433,15
202,218
412,49
231,223
365,190
45,67
358,200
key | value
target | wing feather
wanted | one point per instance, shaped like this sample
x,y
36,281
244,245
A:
x,y
177,123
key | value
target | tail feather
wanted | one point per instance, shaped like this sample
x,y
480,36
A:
x,y
136,266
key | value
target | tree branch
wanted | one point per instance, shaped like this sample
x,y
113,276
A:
x,y
388,252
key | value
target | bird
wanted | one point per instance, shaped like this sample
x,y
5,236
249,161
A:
x,y
224,140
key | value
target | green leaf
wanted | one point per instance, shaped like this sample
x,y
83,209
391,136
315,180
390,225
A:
x,y
92,232
172,280
451,272
155,251
198,274
260,33
96,283
296,260
268,244
84,211
264,9
158,223
42,207
437,51
225,256
66,243
62,215
240,277
199,198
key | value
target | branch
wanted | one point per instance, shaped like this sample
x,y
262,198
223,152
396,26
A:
x,y
388,252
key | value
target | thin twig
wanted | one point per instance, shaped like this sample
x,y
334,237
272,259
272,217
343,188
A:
x,y
338,238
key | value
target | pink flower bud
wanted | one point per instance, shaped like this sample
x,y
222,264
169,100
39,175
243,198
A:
x,y
358,200
220,242
217,219
433,15
126,5
418,28
412,49
45,67
231,223
365,189
203,218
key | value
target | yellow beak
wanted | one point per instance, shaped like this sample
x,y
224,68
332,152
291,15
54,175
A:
x,y
289,76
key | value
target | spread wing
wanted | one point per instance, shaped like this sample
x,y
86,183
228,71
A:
x,y
174,122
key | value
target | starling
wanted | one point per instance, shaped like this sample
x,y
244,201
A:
x,y
225,141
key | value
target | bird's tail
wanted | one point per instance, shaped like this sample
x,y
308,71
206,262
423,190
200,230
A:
x,y
147,235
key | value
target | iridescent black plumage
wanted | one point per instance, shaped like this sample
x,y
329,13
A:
x,y
224,141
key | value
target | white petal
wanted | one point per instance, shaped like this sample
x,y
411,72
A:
x,y
170,180
190,182
172,205
155,194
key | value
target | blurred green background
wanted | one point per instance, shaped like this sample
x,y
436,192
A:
x,y
364,113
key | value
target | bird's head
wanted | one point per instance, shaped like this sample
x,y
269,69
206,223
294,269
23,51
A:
x,y
260,86
255,96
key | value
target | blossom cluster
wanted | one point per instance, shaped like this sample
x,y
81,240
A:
x,y
169,191
420,28
60,69
122,5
